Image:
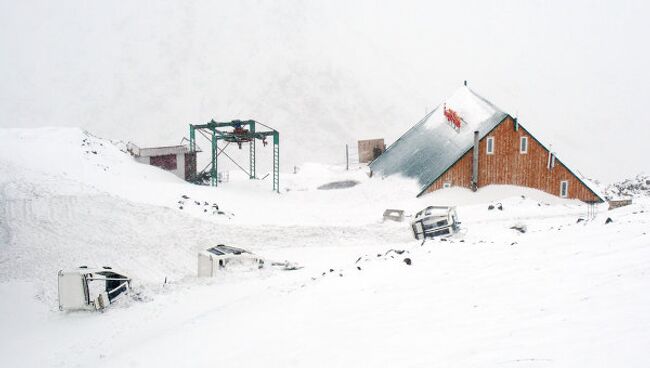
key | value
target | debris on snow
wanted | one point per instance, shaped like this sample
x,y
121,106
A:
x,y
338,185
522,228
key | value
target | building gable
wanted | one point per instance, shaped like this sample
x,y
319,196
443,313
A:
x,y
509,165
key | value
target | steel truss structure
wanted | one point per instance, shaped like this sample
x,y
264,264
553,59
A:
x,y
239,132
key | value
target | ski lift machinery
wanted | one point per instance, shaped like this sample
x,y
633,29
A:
x,y
238,132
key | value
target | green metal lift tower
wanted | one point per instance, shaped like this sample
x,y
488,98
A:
x,y
236,132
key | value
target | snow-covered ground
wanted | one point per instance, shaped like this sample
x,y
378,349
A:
x,y
565,293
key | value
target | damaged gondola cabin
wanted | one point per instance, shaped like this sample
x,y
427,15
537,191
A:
x,y
90,289
435,221
215,259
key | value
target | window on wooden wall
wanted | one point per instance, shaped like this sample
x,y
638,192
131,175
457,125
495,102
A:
x,y
523,145
489,146
564,188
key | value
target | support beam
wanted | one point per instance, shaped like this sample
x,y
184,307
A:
x,y
192,139
213,171
251,153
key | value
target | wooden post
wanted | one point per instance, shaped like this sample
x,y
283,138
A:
x,y
347,158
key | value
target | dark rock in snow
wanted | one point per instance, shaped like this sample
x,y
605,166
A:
x,y
180,207
443,239
185,197
407,261
358,268
197,203
397,251
490,207
580,220
331,270
500,207
521,228
609,219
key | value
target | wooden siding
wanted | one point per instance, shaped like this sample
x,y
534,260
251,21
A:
x,y
508,166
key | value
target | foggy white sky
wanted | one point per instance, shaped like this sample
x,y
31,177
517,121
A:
x,y
326,73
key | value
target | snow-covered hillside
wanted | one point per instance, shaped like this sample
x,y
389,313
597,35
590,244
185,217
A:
x,y
569,291
638,186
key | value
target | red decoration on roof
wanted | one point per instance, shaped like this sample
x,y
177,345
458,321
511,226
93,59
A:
x,y
452,116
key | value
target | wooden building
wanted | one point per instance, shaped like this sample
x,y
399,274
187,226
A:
x,y
370,149
469,142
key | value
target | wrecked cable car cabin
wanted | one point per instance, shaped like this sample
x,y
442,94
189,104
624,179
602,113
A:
x,y
220,257
435,221
90,289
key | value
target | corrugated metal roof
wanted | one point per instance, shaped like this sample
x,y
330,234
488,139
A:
x,y
430,147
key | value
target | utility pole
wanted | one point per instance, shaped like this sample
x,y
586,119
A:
x,y
347,158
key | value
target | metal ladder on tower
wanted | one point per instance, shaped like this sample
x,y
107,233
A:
x,y
251,160
276,162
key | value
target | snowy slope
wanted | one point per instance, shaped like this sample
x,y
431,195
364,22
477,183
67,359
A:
x,y
566,293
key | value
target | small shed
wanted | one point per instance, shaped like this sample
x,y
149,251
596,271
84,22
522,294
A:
x,y
370,149
177,159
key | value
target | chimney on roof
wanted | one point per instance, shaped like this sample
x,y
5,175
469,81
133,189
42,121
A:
x,y
475,162
465,83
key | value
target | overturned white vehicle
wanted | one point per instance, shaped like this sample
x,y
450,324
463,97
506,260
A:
x,y
435,221
90,289
221,257
217,258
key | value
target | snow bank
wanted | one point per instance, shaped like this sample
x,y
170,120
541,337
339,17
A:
x,y
567,291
